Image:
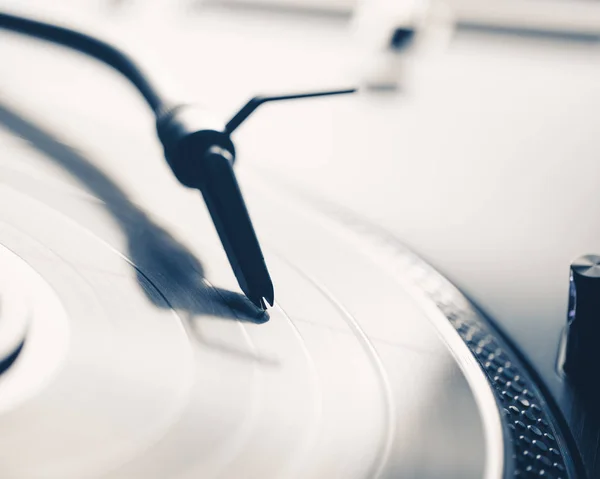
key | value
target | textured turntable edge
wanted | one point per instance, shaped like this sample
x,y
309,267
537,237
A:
x,y
536,436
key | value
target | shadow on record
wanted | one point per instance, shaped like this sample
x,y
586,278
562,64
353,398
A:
x,y
160,260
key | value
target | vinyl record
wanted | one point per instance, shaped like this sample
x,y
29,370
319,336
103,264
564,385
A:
x,y
143,360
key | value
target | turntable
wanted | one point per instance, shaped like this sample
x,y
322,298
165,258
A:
x,y
141,335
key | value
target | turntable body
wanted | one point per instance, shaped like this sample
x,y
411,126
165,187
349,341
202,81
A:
x,y
161,369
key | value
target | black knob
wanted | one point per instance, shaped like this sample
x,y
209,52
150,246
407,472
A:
x,y
582,355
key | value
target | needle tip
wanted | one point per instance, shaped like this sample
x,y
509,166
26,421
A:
x,y
266,304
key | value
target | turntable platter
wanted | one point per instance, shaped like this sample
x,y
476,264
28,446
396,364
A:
x,y
165,370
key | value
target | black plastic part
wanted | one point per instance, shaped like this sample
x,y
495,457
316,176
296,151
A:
x,y
582,355
187,133
227,208
202,156
402,38
91,46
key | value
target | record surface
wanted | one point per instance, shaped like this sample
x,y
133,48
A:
x,y
157,366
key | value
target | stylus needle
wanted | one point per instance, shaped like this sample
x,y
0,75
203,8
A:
x,y
229,213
